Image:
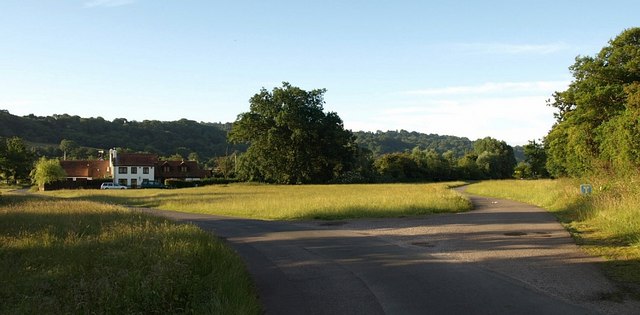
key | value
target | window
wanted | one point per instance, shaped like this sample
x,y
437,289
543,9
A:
x,y
122,181
122,170
134,183
134,170
145,170
183,169
166,169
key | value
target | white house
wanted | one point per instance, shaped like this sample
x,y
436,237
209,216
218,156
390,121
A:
x,y
131,169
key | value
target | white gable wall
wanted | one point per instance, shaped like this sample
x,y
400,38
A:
x,y
125,176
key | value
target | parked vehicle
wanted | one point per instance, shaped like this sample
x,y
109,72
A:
x,y
154,184
112,186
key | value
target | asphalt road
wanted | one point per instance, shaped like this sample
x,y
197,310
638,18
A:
x,y
502,258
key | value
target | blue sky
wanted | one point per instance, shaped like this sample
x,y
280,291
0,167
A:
x,y
463,68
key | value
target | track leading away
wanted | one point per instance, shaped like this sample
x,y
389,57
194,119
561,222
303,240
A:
x,y
502,258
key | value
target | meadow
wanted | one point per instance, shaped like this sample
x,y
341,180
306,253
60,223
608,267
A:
x,y
71,256
605,223
86,251
290,202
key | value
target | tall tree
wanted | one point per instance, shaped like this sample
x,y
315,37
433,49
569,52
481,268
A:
x,y
17,161
291,140
495,158
536,159
597,116
47,171
67,146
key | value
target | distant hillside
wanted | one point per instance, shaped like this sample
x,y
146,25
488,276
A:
x,y
382,142
161,137
185,136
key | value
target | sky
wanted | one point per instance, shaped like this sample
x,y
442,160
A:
x,y
463,68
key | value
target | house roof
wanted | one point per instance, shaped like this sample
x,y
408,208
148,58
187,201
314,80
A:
x,y
180,169
84,168
136,159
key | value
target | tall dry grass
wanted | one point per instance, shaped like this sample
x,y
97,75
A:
x,y
280,202
69,256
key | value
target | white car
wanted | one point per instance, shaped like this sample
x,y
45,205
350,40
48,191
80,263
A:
x,y
112,186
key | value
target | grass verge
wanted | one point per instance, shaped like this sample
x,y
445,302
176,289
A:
x,y
70,256
276,202
605,223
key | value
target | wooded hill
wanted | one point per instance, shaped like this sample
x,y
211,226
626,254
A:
x,y
161,137
184,136
383,142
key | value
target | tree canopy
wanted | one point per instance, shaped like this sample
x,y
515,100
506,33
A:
x,y
383,142
82,137
598,116
16,160
47,171
291,139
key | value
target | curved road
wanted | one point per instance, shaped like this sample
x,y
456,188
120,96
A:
x,y
502,258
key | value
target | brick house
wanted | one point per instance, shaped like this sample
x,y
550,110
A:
x,y
182,170
86,170
132,169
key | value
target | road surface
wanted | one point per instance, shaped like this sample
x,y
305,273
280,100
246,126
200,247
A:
x,y
502,258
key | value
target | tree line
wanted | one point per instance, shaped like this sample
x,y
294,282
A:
x,y
88,135
597,128
384,142
291,140
286,137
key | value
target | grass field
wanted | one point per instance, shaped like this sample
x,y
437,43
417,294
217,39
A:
x,y
82,252
606,223
276,202
72,256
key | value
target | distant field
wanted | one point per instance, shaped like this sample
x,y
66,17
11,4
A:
x,y
62,256
606,223
278,202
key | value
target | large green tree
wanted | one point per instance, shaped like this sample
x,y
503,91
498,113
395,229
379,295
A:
x,y
534,164
495,158
47,171
291,139
16,160
67,146
598,115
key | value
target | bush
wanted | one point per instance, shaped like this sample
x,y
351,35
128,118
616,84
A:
x,y
178,183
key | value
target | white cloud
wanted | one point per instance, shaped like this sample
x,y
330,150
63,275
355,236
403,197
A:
x,y
514,119
107,3
510,49
533,87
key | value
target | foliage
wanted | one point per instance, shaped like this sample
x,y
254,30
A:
x,y
47,171
383,142
80,257
225,166
16,160
291,140
534,164
492,159
291,202
495,158
397,167
599,114
92,134
67,146
177,183
536,157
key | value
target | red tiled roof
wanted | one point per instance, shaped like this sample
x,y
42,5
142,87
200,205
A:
x,y
84,168
136,159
